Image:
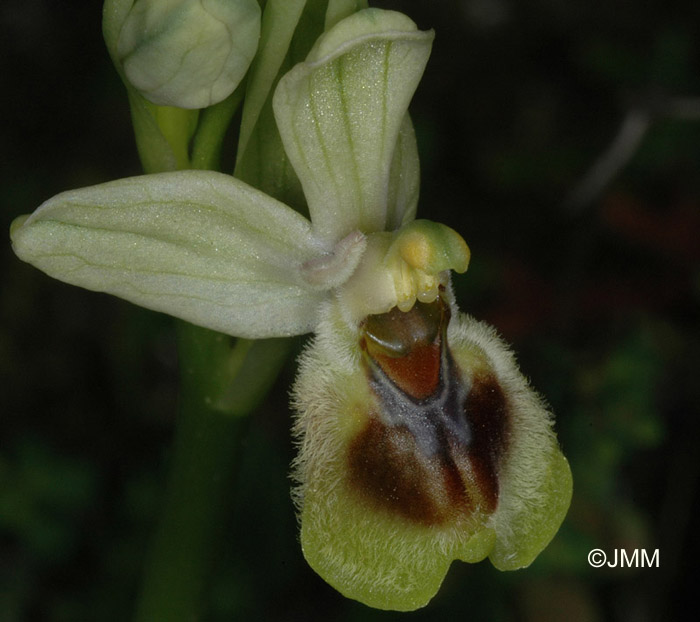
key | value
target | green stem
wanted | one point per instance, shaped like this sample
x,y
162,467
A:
x,y
220,385
177,125
182,552
213,124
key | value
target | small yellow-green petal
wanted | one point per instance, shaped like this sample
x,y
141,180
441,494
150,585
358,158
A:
x,y
404,179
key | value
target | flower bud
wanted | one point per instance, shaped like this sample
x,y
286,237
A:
x,y
188,53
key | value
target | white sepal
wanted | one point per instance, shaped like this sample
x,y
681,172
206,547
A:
x,y
199,245
341,113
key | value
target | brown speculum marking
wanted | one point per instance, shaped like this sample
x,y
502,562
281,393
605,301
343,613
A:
x,y
430,451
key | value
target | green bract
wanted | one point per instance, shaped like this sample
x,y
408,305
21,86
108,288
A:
x,y
420,441
187,53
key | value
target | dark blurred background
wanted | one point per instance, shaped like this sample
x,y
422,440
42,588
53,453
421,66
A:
x,y
562,139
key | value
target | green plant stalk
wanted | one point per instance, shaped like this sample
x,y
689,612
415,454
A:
x,y
182,552
213,123
222,381
220,386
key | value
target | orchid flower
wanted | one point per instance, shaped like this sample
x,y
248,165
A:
x,y
420,441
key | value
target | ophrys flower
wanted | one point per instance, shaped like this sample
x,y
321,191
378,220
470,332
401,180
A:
x,y
420,441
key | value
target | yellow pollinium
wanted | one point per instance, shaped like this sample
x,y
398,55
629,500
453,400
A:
x,y
401,267
418,257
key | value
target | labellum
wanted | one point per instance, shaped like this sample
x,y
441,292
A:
x,y
420,443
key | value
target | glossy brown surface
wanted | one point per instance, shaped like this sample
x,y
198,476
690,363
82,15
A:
x,y
417,374
431,448
407,346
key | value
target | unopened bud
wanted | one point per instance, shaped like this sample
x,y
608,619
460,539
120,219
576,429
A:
x,y
188,53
